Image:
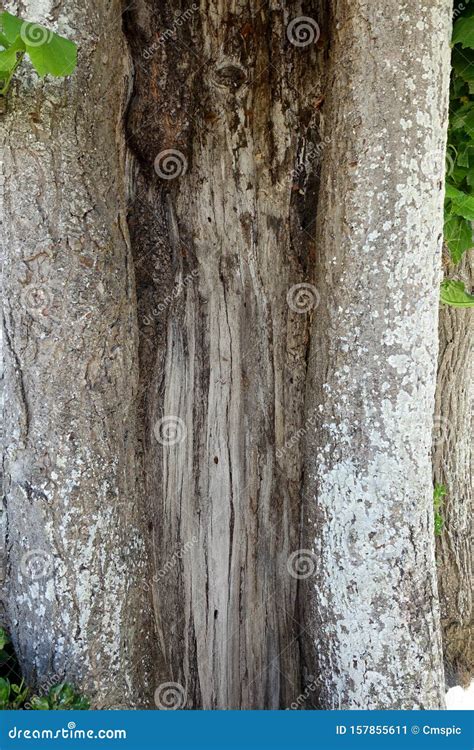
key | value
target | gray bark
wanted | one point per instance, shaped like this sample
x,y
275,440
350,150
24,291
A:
x,y
452,464
75,547
218,249
371,607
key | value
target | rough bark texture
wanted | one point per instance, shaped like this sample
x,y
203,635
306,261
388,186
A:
x,y
73,486
217,250
452,464
371,607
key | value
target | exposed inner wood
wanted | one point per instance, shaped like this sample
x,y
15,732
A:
x,y
217,251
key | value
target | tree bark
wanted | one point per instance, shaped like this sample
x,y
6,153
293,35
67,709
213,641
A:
x,y
218,252
75,546
452,462
371,607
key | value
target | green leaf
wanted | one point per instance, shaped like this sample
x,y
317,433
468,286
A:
x,y
58,56
4,690
65,696
462,203
458,236
463,117
458,174
463,32
49,52
20,699
453,192
9,57
10,26
465,152
470,177
39,703
60,697
454,294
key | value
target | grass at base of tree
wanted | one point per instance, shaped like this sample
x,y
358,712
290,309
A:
x,y
15,695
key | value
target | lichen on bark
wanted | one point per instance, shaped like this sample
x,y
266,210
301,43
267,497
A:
x,y
371,610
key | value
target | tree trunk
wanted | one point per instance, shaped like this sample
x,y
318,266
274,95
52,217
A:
x,y
76,556
177,433
452,462
371,607
222,232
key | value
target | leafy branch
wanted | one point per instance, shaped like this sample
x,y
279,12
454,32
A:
x,y
459,201
48,52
